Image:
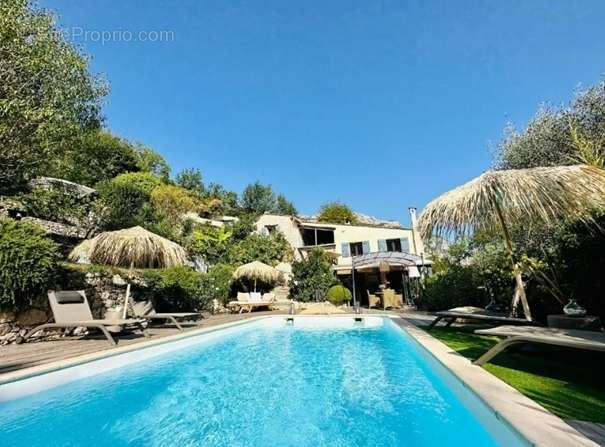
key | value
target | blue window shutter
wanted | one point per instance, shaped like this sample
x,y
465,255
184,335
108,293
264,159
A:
x,y
382,245
365,247
346,252
405,245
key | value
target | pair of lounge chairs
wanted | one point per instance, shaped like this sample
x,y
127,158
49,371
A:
x,y
71,310
246,302
389,299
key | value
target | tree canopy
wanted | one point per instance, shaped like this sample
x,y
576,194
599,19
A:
x,y
337,213
47,93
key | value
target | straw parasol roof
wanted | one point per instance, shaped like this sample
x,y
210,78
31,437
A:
x,y
258,271
496,198
538,194
136,247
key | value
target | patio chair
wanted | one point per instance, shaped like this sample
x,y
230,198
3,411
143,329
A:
x,y
373,300
390,299
145,310
269,297
238,304
569,338
70,309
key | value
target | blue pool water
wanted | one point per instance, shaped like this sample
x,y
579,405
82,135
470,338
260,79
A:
x,y
260,386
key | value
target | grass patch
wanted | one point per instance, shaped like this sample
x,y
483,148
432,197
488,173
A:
x,y
568,382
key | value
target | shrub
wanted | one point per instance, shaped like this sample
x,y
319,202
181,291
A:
x,y
216,284
173,201
28,262
60,204
338,213
339,294
211,243
126,199
176,288
142,181
311,277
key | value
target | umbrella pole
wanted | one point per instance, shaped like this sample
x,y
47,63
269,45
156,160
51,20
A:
x,y
520,288
126,299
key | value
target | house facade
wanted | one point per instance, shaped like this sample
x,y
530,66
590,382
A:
x,y
349,242
345,241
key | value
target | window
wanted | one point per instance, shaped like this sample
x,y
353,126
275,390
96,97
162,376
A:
x,y
356,248
317,236
270,228
394,245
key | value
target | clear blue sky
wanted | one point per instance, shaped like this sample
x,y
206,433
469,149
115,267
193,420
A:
x,y
380,104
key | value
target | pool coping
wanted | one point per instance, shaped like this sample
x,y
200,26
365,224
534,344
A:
x,y
535,423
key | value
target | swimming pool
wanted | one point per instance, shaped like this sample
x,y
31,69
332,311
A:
x,y
311,382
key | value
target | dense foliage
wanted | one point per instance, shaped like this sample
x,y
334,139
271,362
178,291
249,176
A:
x,y
557,136
28,261
47,94
337,213
312,276
339,294
127,199
270,249
216,284
559,262
177,288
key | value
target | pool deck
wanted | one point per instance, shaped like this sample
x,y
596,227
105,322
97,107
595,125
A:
x,y
533,421
36,353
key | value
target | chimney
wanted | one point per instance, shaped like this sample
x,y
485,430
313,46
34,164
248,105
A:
x,y
416,239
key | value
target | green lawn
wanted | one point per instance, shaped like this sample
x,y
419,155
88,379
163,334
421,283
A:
x,y
570,383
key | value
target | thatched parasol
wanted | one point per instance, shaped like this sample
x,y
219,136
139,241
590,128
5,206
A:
x,y
257,271
543,195
132,247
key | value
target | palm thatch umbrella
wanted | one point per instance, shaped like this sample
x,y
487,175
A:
x,y
496,198
131,247
257,271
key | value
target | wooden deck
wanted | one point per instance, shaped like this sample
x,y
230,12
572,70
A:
x,y
34,353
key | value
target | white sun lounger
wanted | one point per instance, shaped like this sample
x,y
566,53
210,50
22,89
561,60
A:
x,y
450,317
70,310
145,310
569,338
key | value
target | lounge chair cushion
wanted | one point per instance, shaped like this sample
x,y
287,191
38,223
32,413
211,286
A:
x,y
69,297
143,308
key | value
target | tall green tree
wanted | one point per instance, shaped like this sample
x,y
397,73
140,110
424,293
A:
x,y
259,199
47,93
94,157
284,207
337,213
556,137
192,180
